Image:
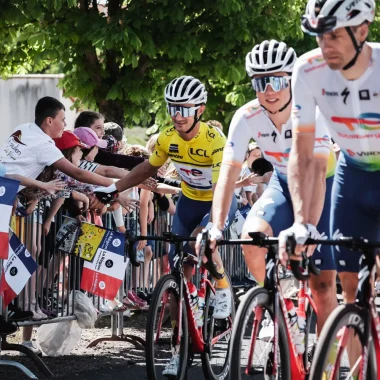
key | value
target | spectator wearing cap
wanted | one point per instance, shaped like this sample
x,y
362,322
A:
x,y
31,148
95,121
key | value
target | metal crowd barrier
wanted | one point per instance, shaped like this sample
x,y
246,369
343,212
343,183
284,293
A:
x,y
58,275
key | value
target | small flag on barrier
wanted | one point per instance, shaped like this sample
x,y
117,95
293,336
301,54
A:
x,y
17,270
105,274
8,192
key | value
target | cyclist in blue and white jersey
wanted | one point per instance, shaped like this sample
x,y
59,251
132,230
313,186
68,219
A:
x,y
267,121
342,79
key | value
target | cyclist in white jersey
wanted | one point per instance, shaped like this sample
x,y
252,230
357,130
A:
x,y
341,78
267,121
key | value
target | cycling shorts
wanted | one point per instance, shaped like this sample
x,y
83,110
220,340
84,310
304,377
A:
x,y
275,207
355,210
191,214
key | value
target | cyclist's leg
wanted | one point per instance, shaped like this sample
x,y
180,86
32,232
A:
x,y
323,287
271,214
355,211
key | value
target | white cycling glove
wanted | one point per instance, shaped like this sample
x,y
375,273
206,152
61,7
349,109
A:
x,y
301,233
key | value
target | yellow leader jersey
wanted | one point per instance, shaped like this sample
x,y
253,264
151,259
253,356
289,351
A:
x,y
197,161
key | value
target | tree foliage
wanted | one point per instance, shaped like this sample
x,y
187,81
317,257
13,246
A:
x,y
118,58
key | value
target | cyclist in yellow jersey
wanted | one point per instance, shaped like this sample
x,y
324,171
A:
x,y
196,149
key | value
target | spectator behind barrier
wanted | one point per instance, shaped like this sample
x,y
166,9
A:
x,y
95,121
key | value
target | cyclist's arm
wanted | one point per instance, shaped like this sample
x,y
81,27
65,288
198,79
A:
x,y
110,171
233,158
301,169
85,176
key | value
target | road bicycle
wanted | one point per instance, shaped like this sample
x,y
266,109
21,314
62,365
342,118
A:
x,y
358,321
171,302
278,357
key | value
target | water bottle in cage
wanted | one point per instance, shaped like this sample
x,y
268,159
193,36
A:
x,y
297,325
196,305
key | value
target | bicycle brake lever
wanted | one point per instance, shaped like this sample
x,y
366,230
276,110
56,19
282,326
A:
x,y
130,250
294,266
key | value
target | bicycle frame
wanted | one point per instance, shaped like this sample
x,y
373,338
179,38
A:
x,y
196,333
298,370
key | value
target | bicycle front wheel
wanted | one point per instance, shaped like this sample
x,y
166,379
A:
x,y
340,348
217,334
162,334
252,353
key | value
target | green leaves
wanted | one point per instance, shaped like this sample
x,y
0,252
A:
x,y
119,62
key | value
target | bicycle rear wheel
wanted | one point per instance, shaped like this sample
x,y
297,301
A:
x,y
217,333
252,357
331,360
160,335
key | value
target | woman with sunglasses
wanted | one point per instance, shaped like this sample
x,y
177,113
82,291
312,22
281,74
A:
x,y
266,119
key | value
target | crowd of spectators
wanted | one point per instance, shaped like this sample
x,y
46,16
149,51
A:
x,y
60,165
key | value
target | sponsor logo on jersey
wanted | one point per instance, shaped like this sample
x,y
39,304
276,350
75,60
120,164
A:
x,y
315,59
329,93
210,133
368,121
175,156
217,150
364,95
259,135
173,148
345,94
195,153
288,134
278,156
361,154
192,172
253,111
323,140
170,131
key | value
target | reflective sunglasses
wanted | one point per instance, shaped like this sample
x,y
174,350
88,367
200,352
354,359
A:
x,y
183,111
277,83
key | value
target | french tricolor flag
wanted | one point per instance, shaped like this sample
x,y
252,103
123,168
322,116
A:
x,y
8,192
105,274
17,270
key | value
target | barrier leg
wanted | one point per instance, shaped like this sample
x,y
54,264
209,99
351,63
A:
x,y
117,327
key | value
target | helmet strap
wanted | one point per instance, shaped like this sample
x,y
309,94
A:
x,y
196,120
358,48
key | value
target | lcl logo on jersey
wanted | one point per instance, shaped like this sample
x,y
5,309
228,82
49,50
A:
x,y
279,156
369,121
196,153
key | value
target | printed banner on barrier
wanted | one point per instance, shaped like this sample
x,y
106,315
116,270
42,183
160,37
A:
x,y
17,270
80,239
8,192
105,274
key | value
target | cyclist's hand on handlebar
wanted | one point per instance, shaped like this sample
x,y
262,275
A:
x,y
299,232
214,234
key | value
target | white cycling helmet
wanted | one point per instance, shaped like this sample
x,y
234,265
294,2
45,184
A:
x,y
185,89
270,57
324,16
